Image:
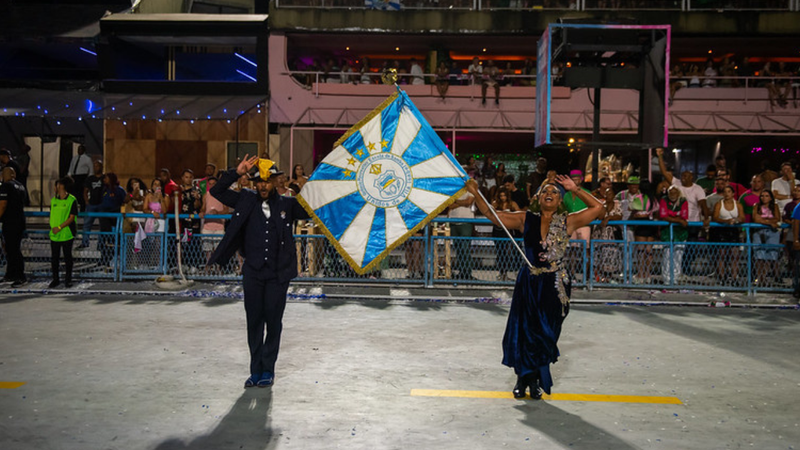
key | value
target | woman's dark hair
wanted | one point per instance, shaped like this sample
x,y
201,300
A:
x,y
129,186
113,181
771,203
502,190
294,171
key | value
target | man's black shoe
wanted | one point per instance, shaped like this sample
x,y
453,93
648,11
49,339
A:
x,y
251,382
267,379
53,284
19,283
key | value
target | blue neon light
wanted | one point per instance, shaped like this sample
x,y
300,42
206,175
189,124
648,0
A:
x,y
88,51
246,60
245,75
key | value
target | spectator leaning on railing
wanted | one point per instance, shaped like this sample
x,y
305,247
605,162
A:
x,y
693,193
766,212
695,198
728,212
637,205
674,208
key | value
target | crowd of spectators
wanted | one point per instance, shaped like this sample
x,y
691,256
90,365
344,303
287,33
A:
x,y
771,199
679,199
489,74
781,80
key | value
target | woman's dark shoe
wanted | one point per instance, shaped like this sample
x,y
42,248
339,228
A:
x,y
519,388
533,385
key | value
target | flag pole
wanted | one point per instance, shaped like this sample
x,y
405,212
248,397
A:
x,y
513,241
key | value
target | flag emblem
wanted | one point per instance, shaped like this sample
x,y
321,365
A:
x,y
384,180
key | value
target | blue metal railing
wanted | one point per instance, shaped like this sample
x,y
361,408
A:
x,y
434,257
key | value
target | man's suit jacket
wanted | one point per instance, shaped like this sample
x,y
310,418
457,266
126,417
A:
x,y
248,202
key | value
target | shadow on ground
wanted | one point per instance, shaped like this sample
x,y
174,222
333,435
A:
x,y
749,327
569,430
247,425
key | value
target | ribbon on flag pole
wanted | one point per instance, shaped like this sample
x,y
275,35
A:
x,y
385,179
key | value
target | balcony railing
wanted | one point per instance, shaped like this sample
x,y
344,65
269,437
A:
x,y
563,5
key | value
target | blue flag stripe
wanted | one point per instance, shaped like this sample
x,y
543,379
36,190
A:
x,y
411,213
337,215
421,149
389,119
328,172
446,186
354,143
377,237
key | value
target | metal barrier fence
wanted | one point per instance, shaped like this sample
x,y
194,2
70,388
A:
x,y
579,5
434,256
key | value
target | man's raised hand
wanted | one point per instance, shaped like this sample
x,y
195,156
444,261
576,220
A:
x,y
246,164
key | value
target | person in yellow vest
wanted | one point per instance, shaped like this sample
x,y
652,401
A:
x,y
63,209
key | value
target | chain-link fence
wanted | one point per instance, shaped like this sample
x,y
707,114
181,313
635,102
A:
x,y
443,253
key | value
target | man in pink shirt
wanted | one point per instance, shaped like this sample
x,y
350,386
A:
x,y
738,189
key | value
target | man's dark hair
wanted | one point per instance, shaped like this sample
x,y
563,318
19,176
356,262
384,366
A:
x,y
164,170
720,156
211,178
211,165
787,163
508,179
603,180
711,168
185,171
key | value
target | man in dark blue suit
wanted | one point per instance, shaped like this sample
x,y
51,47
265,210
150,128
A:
x,y
261,229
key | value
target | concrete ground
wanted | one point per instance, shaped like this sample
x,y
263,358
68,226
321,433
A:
x,y
166,372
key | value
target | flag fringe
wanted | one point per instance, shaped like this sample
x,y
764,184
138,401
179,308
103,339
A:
x,y
371,266
366,119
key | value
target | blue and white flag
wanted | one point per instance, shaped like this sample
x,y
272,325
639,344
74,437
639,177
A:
x,y
386,5
384,180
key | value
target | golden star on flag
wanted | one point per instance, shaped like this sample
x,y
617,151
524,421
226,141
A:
x,y
348,172
384,143
375,169
360,152
371,146
352,161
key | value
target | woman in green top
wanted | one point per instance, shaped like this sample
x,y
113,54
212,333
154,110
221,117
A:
x,y
63,209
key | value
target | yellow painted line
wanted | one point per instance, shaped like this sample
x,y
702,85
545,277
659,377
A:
x,y
11,384
556,397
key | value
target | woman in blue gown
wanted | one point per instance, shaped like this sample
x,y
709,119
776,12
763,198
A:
x,y
541,294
